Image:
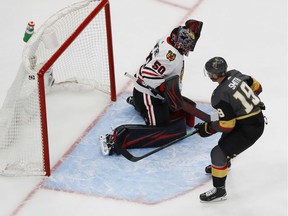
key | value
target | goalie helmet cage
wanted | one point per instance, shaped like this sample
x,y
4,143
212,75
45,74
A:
x,y
73,46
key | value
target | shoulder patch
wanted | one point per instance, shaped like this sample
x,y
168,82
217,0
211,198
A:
x,y
170,56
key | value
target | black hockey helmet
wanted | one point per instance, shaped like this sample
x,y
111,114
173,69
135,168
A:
x,y
216,65
183,39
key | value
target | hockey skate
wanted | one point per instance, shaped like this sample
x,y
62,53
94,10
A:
x,y
215,194
130,100
208,169
107,144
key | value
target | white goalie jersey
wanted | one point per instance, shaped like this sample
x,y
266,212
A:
x,y
164,61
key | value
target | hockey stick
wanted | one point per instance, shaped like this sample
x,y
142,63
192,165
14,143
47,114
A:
x,y
189,106
133,158
153,90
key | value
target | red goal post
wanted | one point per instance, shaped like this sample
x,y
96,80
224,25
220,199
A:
x,y
73,46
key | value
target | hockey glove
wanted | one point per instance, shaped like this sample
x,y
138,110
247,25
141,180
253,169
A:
x,y
262,105
204,129
195,26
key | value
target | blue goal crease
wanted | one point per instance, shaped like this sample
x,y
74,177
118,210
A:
x,y
161,176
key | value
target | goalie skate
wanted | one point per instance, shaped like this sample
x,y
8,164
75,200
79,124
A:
x,y
106,144
130,100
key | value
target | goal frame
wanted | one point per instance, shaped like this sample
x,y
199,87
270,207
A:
x,y
104,4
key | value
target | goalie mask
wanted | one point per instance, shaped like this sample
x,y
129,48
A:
x,y
216,65
183,39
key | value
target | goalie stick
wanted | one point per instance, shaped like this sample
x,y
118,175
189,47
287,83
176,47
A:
x,y
133,158
189,106
153,90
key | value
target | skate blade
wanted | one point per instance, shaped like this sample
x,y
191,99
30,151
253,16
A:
x,y
104,148
215,200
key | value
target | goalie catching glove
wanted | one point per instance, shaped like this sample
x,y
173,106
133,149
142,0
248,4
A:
x,y
204,129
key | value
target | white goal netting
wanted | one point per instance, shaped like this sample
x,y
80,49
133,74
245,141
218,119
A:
x,y
73,44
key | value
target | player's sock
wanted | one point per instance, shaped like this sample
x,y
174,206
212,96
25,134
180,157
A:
x,y
208,169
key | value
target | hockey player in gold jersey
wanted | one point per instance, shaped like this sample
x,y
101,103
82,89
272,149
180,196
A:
x,y
241,121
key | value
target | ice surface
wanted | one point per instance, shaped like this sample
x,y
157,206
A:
x,y
251,35
167,174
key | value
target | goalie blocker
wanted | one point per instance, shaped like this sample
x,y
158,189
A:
x,y
183,111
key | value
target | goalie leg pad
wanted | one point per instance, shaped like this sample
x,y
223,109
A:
x,y
172,93
190,119
144,136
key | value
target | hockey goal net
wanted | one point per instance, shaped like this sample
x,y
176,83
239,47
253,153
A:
x,y
73,46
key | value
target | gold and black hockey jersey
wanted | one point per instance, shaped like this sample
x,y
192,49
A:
x,y
235,98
